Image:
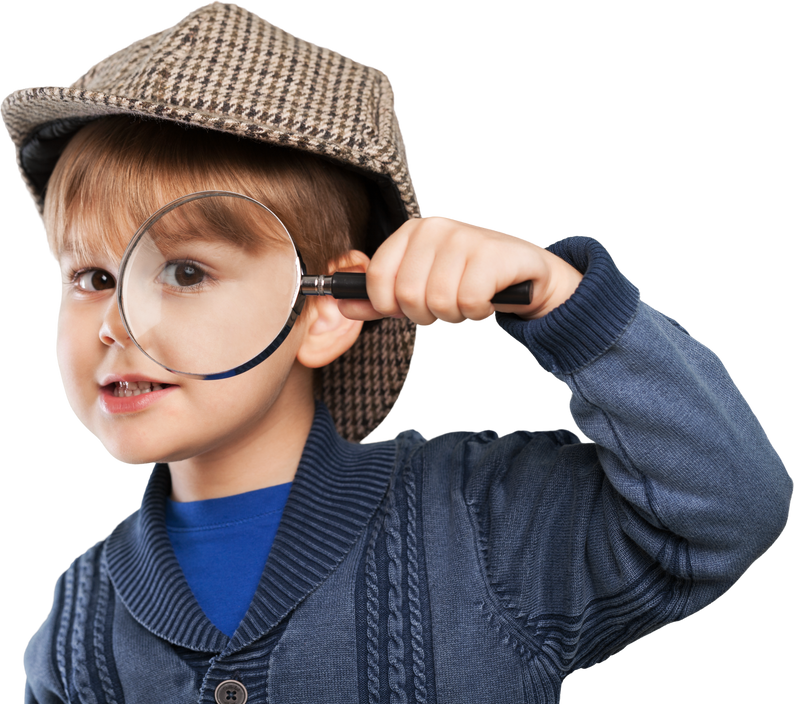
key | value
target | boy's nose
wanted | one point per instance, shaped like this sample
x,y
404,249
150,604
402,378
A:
x,y
112,330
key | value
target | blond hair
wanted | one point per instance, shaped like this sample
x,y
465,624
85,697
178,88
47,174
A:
x,y
116,171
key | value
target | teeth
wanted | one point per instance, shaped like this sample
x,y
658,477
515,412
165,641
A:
x,y
126,389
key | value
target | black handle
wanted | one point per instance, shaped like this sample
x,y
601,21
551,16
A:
x,y
345,284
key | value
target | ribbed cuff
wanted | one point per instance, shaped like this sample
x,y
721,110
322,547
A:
x,y
589,322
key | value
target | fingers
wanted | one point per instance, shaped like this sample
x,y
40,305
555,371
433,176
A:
x,y
438,269
413,275
382,272
400,271
461,287
428,270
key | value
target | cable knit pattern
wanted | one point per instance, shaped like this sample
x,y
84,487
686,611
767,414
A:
x,y
393,564
414,604
372,592
395,628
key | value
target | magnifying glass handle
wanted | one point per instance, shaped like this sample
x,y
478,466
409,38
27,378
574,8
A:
x,y
346,284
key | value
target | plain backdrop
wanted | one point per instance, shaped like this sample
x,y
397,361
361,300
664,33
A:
x,y
500,134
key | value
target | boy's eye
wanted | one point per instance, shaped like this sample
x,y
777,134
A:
x,y
95,280
182,274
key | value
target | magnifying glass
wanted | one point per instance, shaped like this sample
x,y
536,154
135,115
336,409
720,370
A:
x,y
212,283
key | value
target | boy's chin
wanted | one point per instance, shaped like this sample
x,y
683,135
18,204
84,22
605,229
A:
x,y
135,457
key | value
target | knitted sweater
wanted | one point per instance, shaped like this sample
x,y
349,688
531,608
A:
x,y
464,568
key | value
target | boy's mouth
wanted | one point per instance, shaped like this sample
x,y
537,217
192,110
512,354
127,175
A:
x,y
134,388
121,396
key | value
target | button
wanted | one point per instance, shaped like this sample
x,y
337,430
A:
x,y
231,692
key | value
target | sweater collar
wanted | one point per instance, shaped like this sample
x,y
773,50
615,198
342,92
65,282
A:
x,y
335,492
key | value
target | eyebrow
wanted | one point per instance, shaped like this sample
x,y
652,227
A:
x,y
69,248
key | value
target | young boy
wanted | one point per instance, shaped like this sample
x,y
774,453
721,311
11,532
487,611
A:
x,y
466,567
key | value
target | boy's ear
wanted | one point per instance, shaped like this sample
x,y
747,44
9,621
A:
x,y
327,333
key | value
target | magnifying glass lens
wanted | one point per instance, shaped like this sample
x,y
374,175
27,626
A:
x,y
208,283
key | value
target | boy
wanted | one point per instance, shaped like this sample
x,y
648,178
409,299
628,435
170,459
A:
x,y
463,546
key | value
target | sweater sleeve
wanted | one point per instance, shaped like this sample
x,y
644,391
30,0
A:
x,y
590,546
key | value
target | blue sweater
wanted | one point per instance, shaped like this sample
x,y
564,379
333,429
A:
x,y
464,568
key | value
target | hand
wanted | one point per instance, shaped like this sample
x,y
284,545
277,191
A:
x,y
438,269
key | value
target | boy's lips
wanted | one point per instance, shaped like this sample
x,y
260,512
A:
x,y
113,404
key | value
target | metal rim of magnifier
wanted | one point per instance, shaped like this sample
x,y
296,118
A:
x,y
296,303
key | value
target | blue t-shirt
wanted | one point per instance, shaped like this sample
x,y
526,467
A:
x,y
222,546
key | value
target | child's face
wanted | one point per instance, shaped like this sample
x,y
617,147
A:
x,y
167,417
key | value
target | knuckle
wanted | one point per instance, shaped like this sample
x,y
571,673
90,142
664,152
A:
x,y
442,306
438,301
411,296
474,307
469,301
